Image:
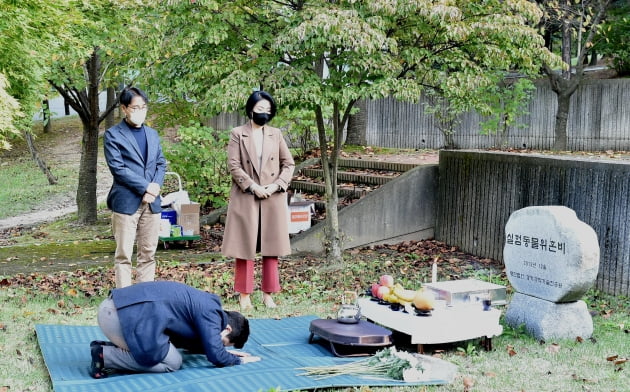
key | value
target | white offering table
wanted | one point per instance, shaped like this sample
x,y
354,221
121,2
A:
x,y
444,325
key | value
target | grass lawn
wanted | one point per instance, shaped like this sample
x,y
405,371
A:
x,y
517,362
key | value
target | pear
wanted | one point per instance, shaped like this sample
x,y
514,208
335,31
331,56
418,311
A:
x,y
424,300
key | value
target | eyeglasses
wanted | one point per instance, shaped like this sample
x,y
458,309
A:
x,y
137,108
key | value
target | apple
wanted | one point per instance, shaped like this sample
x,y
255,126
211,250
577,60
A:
x,y
374,289
387,280
382,291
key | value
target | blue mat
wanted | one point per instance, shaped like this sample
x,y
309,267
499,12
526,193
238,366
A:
x,y
282,344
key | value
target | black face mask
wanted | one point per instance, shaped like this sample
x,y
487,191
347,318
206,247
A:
x,y
260,118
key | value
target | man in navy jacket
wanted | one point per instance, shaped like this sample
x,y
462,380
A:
x,y
135,159
148,322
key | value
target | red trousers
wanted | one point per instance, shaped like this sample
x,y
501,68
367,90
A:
x,y
244,275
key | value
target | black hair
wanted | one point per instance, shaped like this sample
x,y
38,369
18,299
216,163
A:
x,y
253,100
127,94
240,328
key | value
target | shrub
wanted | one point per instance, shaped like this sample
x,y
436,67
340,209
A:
x,y
200,158
614,41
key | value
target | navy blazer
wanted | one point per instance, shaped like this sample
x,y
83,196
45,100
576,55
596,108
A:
x,y
131,173
153,313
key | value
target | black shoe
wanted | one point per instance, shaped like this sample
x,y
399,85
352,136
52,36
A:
x,y
101,343
97,366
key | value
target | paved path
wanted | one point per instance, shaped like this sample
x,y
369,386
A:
x,y
57,108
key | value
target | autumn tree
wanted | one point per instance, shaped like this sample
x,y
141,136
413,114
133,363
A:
x,y
9,113
577,22
324,56
30,32
101,55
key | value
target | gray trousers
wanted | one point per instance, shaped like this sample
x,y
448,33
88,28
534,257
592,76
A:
x,y
118,357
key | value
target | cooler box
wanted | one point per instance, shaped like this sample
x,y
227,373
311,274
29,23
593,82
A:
x,y
300,216
170,214
188,218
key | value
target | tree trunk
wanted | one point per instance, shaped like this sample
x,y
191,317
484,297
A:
x,y
86,103
560,142
66,107
52,180
593,60
357,125
332,241
111,101
47,117
86,191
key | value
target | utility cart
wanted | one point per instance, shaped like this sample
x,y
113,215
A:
x,y
186,226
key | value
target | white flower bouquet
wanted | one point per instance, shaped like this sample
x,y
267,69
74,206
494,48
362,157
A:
x,y
386,363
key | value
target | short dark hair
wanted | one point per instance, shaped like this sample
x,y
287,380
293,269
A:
x,y
253,100
127,94
240,328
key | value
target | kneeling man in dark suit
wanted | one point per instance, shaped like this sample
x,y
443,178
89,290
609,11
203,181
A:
x,y
147,322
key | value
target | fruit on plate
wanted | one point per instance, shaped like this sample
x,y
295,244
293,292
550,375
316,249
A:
x,y
404,294
374,289
424,300
382,291
386,280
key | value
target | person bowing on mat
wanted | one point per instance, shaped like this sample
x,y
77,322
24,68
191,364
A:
x,y
148,322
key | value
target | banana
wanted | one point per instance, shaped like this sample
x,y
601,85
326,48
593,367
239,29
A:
x,y
404,294
392,298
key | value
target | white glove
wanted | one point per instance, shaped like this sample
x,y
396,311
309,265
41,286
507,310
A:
x,y
249,359
272,188
148,198
259,191
153,189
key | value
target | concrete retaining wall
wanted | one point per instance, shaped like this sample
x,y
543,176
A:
x,y
403,209
479,190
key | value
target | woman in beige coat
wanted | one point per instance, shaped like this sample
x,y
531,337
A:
x,y
261,166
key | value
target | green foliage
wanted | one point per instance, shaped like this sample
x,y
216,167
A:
x,y
506,102
200,158
324,56
30,34
300,129
9,112
614,41
469,351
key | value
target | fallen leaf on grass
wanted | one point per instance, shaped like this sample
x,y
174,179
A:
x,y
490,374
553,348
510,351
615,359
72,292
468,383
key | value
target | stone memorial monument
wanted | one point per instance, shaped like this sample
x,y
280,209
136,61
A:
x,y
551,259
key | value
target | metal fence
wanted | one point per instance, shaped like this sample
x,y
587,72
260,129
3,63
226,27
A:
x,y
599,120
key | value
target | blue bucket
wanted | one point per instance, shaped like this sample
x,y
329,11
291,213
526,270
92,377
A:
x,y
170,214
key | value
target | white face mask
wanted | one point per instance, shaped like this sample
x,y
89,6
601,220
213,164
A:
x,y
137,117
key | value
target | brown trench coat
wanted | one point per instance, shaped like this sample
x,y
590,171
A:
x,y
245,212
